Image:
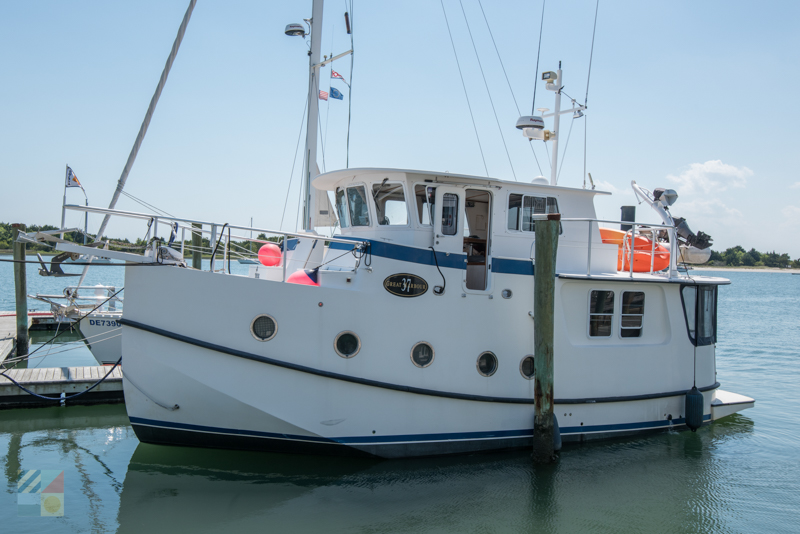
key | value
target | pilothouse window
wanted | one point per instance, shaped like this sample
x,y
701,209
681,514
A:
x,y
358,206
425,196
523,208
341,208
390,204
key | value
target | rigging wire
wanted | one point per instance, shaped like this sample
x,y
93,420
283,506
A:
x,y
153,208
591,54
564,154
294,162
488,92
464,85
507,80
536,74
586,98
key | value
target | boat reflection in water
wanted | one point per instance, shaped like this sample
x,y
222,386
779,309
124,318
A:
x,y
659,482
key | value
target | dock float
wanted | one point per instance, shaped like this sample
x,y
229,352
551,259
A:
x,y
55,381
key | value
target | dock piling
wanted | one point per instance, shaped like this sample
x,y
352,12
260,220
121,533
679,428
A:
x,y
20,290
543,314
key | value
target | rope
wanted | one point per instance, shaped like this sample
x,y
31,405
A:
x,y
488,92
464,85
566,146
591,54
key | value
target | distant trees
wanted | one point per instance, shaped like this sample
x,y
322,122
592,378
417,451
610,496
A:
x,y
738,257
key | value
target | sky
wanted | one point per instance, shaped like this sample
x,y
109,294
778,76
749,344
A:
x,y
693,96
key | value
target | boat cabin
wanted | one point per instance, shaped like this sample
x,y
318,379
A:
x,y
476,219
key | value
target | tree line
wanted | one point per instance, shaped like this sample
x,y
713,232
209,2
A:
x,y
738,257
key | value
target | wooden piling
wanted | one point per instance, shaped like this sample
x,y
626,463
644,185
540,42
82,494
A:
x,y
543,316
20,290
197,243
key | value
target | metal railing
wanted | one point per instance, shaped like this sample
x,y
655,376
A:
x,y
628,245
216,233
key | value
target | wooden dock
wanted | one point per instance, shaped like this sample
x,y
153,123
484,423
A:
x,y
8,333
53,381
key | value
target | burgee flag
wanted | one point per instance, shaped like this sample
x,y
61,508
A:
x,y
72,180
335,93
323,95
335,74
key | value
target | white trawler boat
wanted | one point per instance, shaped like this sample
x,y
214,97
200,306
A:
x,y
412,332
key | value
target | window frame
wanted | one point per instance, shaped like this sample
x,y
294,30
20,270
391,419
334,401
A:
x,y
640,328
368,201
431,211
405,201
692,331
590,314
521,211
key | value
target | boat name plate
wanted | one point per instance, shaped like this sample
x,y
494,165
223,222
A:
x,y
405,285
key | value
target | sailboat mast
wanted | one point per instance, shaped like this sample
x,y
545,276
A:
x,y
310,166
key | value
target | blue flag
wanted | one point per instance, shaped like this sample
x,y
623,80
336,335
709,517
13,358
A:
x,y
335,93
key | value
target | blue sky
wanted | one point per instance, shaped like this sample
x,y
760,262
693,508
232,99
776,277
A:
x,y
695,96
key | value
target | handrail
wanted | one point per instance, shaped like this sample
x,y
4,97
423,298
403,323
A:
x,y
628,243
147,216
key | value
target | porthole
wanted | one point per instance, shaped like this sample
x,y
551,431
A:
x,y
422,354
264,327
487,364
347,344
526,367
507,293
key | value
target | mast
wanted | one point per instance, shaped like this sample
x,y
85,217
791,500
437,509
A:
x,y
556,129
310,166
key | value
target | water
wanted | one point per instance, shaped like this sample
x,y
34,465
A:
x,y
738,475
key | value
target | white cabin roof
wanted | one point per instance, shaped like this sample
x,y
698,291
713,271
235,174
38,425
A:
x,y
329,180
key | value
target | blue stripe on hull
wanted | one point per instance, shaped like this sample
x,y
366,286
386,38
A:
x,y
425,257
410,438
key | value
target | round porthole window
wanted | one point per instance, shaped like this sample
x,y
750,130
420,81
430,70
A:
x,y
507,293
422,354
347,344
264,327
487,364
526,367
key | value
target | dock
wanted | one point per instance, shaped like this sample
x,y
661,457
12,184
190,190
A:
x,y
55,381
51,381
8,333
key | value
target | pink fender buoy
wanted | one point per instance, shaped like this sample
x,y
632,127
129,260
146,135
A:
x,y
269,255
307,277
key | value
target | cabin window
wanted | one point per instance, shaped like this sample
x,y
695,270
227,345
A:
x,y
425,197
341,208
632,314
601,312
357,205
522,208
390,204
449,213
700,310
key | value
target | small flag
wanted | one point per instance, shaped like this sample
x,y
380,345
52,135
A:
x,y
323,95
72,180
335,93
335,74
